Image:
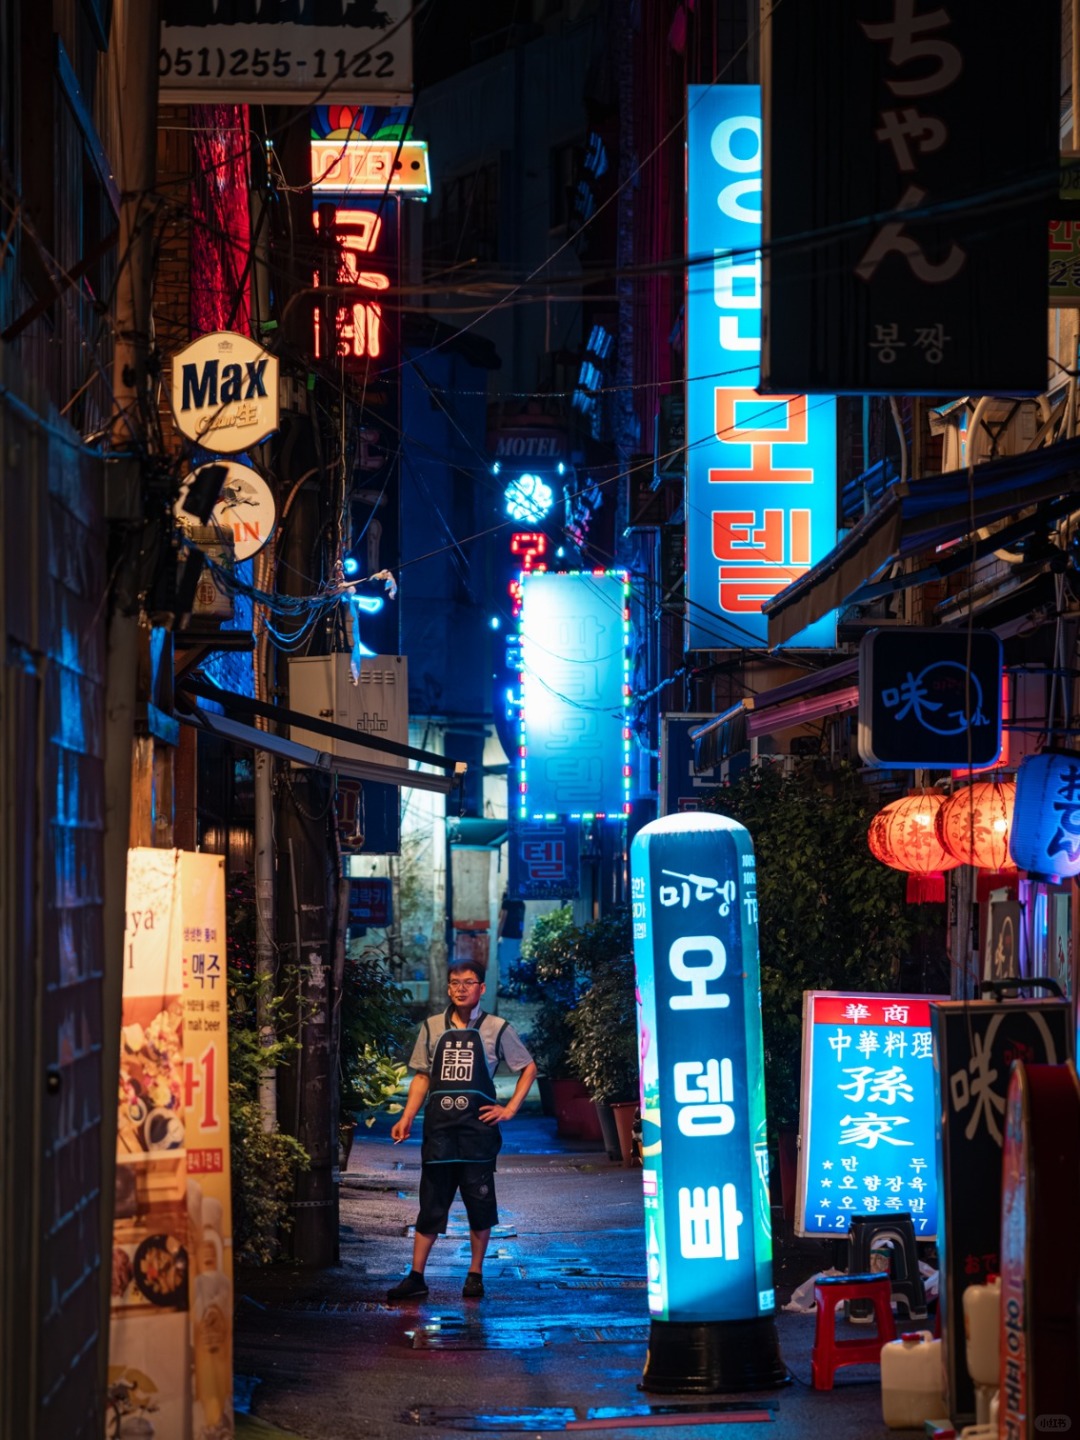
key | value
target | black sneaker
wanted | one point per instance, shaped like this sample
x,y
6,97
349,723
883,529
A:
x,y
474,1286
411,1288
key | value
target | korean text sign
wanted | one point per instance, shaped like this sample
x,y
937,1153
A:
x,y
574,756
867,1112
705,1167
911,161
760,470
975,1044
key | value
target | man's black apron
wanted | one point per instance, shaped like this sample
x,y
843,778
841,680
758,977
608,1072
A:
x,y
460,1085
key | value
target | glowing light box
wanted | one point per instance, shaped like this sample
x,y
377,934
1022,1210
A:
x,y
760,469
867,1132
708,1230
574,753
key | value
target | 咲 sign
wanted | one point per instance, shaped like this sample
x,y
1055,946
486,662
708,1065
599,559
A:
x,y
574,755
867,1126
760,471
705,1160
929,697
975,1044
225,392
906,216
284,52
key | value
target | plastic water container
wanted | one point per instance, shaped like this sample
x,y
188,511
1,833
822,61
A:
x,y
911,1388
982,1326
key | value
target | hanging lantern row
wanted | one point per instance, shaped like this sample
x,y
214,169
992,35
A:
x,y
928,833
1045,839
904,835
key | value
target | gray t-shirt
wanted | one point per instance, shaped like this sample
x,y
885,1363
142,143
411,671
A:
x,y
501,1042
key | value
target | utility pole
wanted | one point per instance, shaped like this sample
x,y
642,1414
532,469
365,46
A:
x,y
135,42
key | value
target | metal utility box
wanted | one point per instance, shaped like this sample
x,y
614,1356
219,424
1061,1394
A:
x,y
377,705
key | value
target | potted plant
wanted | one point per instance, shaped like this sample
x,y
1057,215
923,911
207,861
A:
x,y
547,976
603,1031
375,1024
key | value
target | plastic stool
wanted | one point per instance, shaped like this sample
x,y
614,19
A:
x,y
829,1353
907,1285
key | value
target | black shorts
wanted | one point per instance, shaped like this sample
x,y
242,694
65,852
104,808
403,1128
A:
x,y
439,1183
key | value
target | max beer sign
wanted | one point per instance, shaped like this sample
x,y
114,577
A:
x,y
225,392
705,1168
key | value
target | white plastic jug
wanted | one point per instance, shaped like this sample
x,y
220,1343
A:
x,y
982,1326
911,1380
982,1323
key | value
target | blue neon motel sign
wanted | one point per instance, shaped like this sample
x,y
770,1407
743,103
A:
x,y
760,469
574,752
868,1108
708,1234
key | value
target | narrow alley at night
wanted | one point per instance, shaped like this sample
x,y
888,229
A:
x,y
539,718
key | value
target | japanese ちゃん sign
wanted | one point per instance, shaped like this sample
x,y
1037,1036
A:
x,y
760,471
929,697
705,1168
975,1043
906,212
867,1133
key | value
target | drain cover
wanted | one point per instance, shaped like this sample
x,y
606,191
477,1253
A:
x,y
608,1334
563,1417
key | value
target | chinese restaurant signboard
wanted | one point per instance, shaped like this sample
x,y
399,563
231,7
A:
x,y
929,697
760,471
975,1043
867,1132
281,52
927,205
170,1343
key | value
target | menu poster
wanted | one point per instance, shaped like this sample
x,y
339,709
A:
x,y
170,1344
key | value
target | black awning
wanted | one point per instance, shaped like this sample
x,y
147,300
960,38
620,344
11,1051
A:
x,y
919,515
477,833
241,734
230,701
722,737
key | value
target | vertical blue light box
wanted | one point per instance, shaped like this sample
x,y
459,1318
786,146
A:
x,y
705,1166
574,755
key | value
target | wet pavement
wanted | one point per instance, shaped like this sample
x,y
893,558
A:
x,y
557,1344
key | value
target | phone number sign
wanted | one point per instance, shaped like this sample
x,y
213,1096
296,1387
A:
x,y
868,1101
362,54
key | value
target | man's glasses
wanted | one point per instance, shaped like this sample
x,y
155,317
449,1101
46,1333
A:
x,y
462,984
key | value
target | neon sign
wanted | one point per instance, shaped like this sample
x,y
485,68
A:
x,y
360,332
574,750
760,469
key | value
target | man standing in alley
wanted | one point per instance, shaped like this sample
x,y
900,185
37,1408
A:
x,y
455,1058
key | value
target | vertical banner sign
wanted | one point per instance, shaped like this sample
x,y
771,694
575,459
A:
x,y
707,1222
975,1044
867,1142
928,206
760,471
170,1342
1040,1257
574,753
681,787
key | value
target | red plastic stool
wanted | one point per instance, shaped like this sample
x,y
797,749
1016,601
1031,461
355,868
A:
x,y
830,1353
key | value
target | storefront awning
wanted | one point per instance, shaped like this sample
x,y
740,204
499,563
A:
x,y
241,734
920,515
722,737
477,833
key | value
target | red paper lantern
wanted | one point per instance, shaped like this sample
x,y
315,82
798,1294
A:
x,y
975,821
904,835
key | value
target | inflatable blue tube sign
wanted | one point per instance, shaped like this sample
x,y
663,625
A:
x,y
705,1163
